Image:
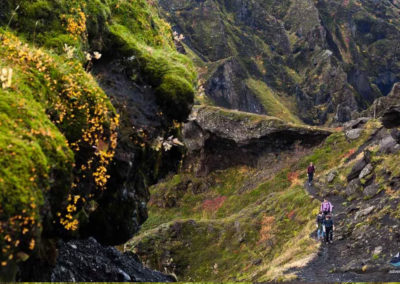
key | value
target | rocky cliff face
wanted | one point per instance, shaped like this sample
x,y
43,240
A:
x,y
325,60
72,168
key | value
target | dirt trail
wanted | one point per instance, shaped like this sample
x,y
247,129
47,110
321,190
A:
x,y
322,268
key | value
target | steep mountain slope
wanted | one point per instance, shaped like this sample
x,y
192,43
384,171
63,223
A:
x,y
323,60
71,167
251,218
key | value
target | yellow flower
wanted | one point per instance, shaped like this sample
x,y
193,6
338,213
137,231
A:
x,y
32,244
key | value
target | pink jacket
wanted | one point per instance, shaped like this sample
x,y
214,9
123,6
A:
x,y
326,206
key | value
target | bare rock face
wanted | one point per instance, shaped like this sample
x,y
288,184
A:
x,y
381,106
227,88
218,138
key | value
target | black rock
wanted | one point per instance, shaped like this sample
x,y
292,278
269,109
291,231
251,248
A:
x,y
91,261
396,135
391,117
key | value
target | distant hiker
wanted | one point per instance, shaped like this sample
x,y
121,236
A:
x,y
320,225
310,173
396,260
328,229
326,207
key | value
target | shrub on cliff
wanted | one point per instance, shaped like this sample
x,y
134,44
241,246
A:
x,y
132,28
57,136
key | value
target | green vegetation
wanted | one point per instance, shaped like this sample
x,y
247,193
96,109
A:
x,y
164,69
58,129
240,223
130,28
271,102
53,113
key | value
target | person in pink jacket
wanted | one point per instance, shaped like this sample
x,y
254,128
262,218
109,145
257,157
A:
x,y
326,207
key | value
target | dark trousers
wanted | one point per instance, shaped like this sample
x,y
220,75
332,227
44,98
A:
x,y
324,213
328,234
310,177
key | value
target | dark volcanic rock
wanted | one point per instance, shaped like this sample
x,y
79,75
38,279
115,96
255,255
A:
x,y
356,123
84,261
396,135
218,138
115,222
391,117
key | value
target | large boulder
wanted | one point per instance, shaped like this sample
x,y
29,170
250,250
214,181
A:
x,y
354,134
366,171
353,187
356,170
356,123
389,145
371,190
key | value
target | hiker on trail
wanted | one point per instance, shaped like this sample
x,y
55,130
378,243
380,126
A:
x,y
310,173
320,225
328,229
326,207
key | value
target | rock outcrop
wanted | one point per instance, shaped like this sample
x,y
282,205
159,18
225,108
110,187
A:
x,y
88,261
381,105
218,138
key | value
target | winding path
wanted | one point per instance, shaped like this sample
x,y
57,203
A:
x,y
330,256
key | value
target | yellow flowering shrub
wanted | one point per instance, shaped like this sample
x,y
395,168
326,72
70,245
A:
x,y
58,134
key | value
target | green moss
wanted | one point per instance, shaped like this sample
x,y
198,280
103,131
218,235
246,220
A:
x,y
134,28
50,105
170,73
270,101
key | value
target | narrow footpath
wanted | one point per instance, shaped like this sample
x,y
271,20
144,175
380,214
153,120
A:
x,y
323,268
